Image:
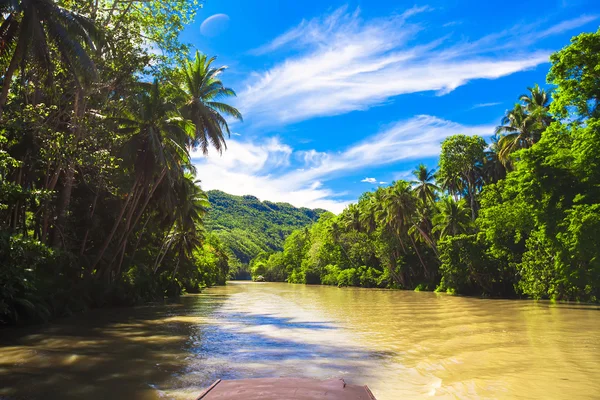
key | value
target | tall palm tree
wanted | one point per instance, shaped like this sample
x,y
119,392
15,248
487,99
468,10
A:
x,y
518,131
536,98
335,231
452,184
31,27
351,217
370,208
537,103
187,234
453,217
398,214
424,187
203,90
156,151
493,168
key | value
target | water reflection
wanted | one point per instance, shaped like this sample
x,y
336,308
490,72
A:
x,y
403,344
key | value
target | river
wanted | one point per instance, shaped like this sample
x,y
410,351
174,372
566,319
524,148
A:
x,y
404,345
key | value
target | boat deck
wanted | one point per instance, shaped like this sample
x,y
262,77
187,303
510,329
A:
x,y
285,388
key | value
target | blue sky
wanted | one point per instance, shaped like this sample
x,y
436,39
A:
x,y
340,97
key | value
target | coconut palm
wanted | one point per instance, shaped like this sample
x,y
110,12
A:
x,y
452,184
31,27
536,98
203,90
351,217
493,168
156,151
398,212
453,217
537,103
518,131
424,188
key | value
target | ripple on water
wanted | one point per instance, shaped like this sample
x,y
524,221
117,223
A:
x,y
402,344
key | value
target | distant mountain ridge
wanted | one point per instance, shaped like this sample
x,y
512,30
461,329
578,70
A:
x,y
248,226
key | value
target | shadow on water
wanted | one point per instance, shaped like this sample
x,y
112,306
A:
x,y
112,353
279,322
153,352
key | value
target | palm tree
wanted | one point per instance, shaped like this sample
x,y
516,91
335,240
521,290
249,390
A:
x,y
453,217
156,150
522,126
424,187
335,231
203,90
192,207
351,217
186,205
31,27
537,98
370,208
452,184
493,168
518,131
398,214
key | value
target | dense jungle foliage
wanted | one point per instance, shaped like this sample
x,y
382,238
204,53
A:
x,y
516,216
247,226
100,108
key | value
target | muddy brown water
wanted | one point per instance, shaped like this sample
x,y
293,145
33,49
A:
x,y
404,345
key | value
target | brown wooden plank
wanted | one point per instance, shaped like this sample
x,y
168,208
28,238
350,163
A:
x,y
286,388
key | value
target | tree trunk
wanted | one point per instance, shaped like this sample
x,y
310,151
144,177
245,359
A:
x,y
65,196
472,200
114,228
50,185
166,242
12,67
87,231
419,255
137,243
130,227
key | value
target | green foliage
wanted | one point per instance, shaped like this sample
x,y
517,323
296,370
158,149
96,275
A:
x,y
520,217
576,73
99,203
248,226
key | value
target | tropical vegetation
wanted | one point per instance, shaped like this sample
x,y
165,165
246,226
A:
x,y
517,215
248,227
100,110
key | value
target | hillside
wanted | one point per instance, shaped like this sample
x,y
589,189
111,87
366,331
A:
x,y
248,226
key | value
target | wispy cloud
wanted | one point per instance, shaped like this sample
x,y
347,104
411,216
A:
x,y
452,23
343,63
274,171
482,105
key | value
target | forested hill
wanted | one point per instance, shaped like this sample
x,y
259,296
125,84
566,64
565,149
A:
x,y
248,226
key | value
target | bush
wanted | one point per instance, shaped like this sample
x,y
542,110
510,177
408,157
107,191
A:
x,y
348,277
468,267
331,275
19,297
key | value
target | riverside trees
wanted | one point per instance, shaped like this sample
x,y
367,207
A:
x,y
519,216
94,157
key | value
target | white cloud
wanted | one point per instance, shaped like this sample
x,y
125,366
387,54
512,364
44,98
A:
x,y
452,23
266,171
482,105
369,180
343,63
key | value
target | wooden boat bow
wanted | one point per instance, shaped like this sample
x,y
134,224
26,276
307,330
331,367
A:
x,y
285,388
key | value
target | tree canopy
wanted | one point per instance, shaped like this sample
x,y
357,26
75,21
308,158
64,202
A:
x,y
516,217
100,108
